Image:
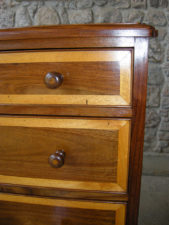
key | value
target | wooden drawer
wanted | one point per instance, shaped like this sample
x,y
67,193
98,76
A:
x,y
89,77
96,153
21,210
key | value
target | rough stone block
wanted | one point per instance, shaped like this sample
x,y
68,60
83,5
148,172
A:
x,y
83,4
165,102
164,144
151,146
163,136
4,4
165,91
162,33
167,58
155,75
150,139
71,4
51,3
135,16
165,119
22,18
139,3
154,3
159,3
6,18
165,150
121,4
63,15
164,126
106,14
80,16
100,2
157,17
166,68
150,135
32,8
6,14
153,96
46,16
164,112
156,53
152,118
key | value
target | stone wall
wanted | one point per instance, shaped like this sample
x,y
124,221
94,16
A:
x,y
18,13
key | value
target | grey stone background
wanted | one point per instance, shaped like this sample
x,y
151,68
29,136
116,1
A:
x,y
19,13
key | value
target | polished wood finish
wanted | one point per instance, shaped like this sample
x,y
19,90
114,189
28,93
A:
x,y
32,189
53,80
91,77
21,210
74,36
71,110
57,159
137,138
74,42
90,30
96,116
97,152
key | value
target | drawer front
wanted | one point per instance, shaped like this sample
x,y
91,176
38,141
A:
x,y
95,153
80,77
21,210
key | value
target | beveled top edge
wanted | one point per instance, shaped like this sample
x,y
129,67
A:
x,y
79,30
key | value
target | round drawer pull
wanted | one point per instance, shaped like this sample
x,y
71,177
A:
x,y
53,80
57,159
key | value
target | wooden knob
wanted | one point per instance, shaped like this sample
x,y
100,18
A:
x,y
57,159
53,80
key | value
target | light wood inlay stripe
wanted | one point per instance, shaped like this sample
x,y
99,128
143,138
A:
x,y
125,78
61,203
62,56
63,99
123,155
121,215
76,185
62,123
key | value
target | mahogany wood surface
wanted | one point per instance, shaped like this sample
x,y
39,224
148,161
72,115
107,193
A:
x,y
63,42
74,36
35,190
138,121
78,78
90,30
96,151
68,110
90,77
19,210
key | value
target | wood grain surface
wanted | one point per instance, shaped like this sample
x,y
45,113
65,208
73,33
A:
x,y
74,36
96,151
35,190
87,30
89,77
21,210
67,110
79,78
138,122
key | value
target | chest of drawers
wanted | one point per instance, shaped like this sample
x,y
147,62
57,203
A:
x,y
72,109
